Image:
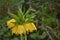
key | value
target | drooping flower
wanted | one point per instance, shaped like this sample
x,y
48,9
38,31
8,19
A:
x,y
27,27
10,23
14,30
19,29
30,27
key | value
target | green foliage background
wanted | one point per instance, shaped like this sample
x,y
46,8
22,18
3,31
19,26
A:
x,y
47,18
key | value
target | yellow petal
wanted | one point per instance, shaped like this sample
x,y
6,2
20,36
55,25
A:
x,y
27,27
33,26
14,30
30,27
12,20
21,29
10,23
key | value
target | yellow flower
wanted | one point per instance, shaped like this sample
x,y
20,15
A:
x,y
33,27
10,23
30,27
19,29
14,30
27,27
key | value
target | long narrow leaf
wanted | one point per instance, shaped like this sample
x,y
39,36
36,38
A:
x,y
13,16
28,11
20,13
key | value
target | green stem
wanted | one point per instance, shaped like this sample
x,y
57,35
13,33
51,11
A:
x,y
21,37
25,37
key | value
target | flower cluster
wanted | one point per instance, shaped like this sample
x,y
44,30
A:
x,y
22,28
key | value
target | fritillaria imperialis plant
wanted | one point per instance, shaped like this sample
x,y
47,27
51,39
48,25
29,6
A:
x,y
22,23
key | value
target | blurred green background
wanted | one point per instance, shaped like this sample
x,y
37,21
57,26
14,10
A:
x,y
47,18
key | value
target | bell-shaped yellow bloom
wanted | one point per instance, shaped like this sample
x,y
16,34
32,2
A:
x,y
10,23
27,27
19,29
14,30
30,27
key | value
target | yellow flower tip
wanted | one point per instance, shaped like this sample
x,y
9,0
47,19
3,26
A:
x,y
12,20
10,23
33,25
